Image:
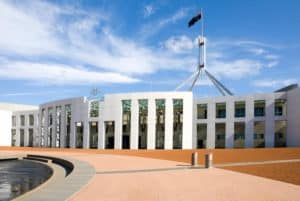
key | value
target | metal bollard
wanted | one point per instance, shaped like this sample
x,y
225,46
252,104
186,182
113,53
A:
x,y
208,160
194,159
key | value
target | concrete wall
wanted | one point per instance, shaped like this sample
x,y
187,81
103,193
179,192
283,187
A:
x,y
112,111
293,113
5,127
249,119
26,127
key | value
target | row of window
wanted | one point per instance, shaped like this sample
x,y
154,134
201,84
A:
x,y
240,109
22,120
240,134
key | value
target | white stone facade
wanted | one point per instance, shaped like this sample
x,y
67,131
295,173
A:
x,y
92,131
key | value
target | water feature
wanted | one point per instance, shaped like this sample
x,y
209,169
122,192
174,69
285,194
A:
x,y
19,176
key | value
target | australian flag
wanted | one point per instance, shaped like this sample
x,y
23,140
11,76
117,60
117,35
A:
x,y
195,19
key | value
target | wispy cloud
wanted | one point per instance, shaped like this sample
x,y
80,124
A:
x,y
38,93
154,27
235,69
69,46
179,44
257,51
274,83
58,74
70,37
148,10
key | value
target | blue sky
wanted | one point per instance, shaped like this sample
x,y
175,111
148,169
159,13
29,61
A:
x,y
58,49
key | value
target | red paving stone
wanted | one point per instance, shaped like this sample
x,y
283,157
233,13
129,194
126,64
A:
x,y
287,172
198,184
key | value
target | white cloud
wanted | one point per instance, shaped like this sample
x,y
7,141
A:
x,y
274,83
257,51
40,31
58,74
152,28
179,44
148,10
271,64
235,69
66,35
271,56
24,34
38,93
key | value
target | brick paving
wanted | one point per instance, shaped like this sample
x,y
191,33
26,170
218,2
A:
x,y
181,184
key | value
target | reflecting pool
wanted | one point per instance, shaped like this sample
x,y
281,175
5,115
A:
x,y
19,176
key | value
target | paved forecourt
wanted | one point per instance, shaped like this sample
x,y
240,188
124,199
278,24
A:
x,y
127,178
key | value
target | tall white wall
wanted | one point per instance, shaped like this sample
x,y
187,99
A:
x,y
293,113
113,112
249,119
5,128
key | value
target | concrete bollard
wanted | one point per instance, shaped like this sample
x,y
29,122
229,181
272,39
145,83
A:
x,y
208,160
194,159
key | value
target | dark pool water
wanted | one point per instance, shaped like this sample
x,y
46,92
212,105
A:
x,y
19,176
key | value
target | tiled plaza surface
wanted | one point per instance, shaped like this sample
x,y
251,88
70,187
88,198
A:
x,y
127,178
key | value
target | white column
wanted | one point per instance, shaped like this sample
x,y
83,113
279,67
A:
x,y
229,123
63,127
46,128
36,128
134,132
195,122
211,118
86,134
188,123
118,126
270,124
54,117
72,127
18,136
151,124
26,136
249,122
169,124
101,134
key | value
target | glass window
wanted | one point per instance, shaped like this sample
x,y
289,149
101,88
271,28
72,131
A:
x,y
202,111
94,135
220,135
109,134
280,134
14,121
259,108
22,137
177,123
94,109
201,135
280,107
259,134
30,140
50,128
239,109
79,135
126,108
31,119
220,110
22,120
143,124
68,111
160,123
239,134
13,137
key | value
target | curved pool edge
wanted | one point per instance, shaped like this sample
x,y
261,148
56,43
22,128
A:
x,y
59,187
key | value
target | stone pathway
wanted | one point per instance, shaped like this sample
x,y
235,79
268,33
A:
x,y
125,178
